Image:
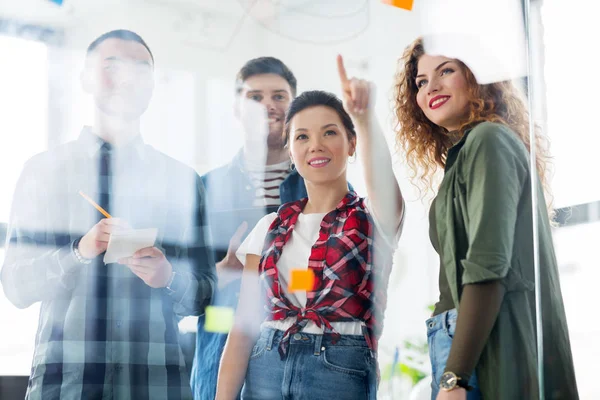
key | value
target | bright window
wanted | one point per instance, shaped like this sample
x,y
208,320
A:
x,y
24,91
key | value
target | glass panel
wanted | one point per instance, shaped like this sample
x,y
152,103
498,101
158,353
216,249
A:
x,y
576,202
200,113
24,97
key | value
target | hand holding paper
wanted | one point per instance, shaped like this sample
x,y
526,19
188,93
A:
x,y
131,247
125,243
96,240
150,265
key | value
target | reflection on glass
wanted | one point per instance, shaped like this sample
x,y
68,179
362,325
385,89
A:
x,y
109,326
24,82
196,106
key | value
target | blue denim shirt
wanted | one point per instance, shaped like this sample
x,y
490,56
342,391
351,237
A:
x,y
229,202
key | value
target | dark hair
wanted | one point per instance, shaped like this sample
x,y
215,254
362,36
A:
x,y
314,98
265,65
122,34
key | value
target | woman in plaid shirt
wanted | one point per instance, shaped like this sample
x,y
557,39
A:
x,y
320,341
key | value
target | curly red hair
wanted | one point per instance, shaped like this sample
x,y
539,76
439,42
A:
x,y
426,144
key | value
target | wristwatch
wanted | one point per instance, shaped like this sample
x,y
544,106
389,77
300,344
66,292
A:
x,y
78,255
450,381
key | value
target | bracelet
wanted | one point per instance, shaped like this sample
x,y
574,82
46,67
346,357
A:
x,y
78,256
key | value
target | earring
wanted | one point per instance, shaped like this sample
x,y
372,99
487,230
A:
x,y
352,160
292,166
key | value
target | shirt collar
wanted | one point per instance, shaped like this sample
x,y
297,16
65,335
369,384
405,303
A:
x,y
454,150
239,163
92,143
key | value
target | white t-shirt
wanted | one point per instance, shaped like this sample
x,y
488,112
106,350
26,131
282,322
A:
x,y
294,256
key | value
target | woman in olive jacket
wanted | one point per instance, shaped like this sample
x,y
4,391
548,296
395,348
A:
x,y
482,335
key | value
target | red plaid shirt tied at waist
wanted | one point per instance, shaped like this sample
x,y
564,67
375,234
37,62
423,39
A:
x,y
351,271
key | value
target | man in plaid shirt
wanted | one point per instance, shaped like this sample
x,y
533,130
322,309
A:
x,y
109,330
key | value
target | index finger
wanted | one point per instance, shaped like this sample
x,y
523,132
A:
x,y
342,70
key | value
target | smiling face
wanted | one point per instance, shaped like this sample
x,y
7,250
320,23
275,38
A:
x,y
443,91
319,145
275,94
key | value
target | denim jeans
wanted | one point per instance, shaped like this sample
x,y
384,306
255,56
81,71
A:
x,y
440,331
313,368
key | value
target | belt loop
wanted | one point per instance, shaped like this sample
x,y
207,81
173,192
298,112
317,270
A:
x,y
270,338
445,322
318,341
447,318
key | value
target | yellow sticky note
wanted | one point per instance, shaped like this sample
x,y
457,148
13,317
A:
x,y
302,280
405,4
218,319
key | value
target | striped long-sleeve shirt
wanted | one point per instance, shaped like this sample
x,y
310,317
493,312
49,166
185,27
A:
x,y
104,333
266,181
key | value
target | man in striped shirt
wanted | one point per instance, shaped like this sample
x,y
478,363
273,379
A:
x,y
253,184
266,182
109,330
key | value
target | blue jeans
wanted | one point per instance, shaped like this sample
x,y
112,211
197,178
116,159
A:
x,y
209,347
440,331
314,368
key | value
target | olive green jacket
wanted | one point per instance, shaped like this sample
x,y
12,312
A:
x,y
484,224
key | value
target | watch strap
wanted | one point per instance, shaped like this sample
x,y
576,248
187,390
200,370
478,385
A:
x,y
463,383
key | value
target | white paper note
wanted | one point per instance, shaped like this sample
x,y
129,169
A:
x,y
126,243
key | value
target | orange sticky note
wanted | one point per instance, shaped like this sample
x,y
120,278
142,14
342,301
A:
x,y
302,280
405,4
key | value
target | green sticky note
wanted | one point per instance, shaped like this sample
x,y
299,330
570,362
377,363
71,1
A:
x,y
218,319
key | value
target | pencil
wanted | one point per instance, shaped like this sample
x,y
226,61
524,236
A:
x,y
96,206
